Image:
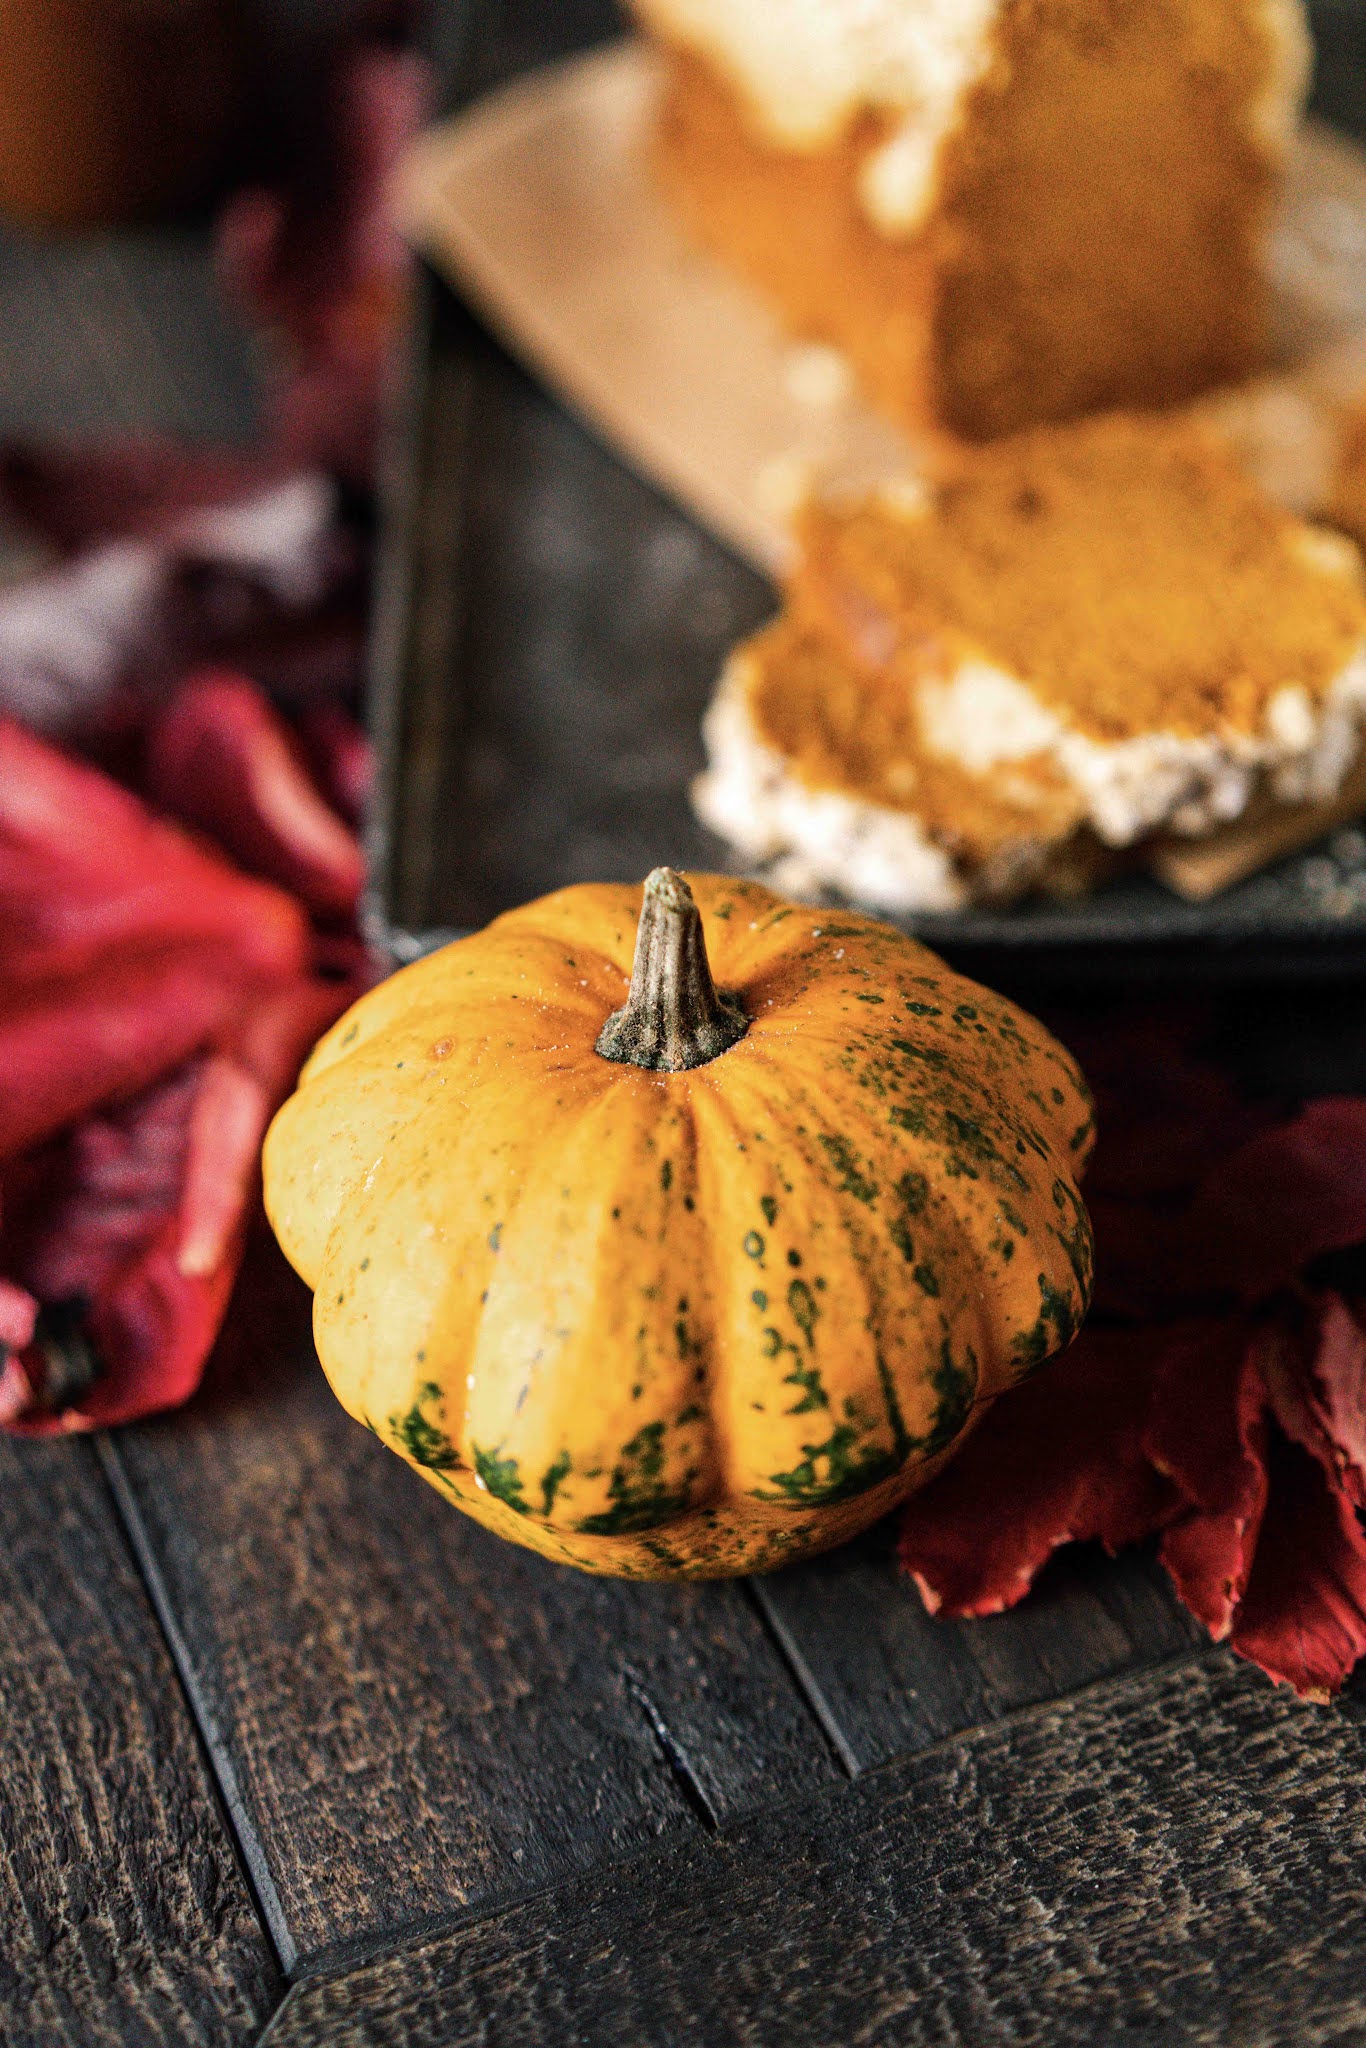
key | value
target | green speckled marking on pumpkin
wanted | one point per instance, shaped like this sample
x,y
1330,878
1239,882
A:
x,y
666,1175
926,1279
1054,1330
424,1441
802,1304
955,1388
900,1435
847,1471
553,1478
501,1478
809,1380
495,1237
927,1055
753,1245
1075,1239
968,1134
854,1180
637,1490
770,1209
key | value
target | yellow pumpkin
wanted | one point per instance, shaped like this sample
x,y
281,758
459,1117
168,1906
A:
x,y
702,1283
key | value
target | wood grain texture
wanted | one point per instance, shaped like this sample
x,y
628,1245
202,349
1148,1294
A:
x,y
1175,1859
887,1679
408,1716
124,1916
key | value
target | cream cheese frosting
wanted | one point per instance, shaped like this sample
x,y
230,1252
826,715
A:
x,y
751,797
993,727
981,718
807,68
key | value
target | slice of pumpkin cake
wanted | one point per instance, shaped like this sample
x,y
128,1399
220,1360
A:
x,y
1093,633
1002,211
819,761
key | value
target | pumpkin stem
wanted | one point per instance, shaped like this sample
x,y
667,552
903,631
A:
x,y
674,1018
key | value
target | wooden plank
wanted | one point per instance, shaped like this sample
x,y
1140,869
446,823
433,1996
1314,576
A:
x,y
410,1717
1177,1859
124,1917
887,1679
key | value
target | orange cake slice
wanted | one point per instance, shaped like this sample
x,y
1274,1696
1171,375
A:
x,y
1346,499
1002,211
819,762
1105,628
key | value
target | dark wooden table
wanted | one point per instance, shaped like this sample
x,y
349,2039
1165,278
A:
x,y
290,1747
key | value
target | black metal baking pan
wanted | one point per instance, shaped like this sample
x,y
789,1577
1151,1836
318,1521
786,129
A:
x,y
549,630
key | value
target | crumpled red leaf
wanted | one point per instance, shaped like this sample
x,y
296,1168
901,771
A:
x,y
123,944
142,1218
1069,1444
1303,1616
1281,1200
221,758
155,1001
155,1005
318,261
1230,1421
1205,1429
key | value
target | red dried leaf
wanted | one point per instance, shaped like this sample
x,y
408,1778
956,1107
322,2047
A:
x,y
77,498
322,263
1336,1389
222,759
1058,1460
342,759
124,947
1164,1113
18,1311
1281,1200
1206,1431
140,1213
1303,1617
1313,1363
86,868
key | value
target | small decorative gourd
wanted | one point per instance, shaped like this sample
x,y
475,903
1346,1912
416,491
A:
x,y
666,1276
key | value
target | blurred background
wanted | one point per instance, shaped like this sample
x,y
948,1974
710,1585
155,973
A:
x,y
123,123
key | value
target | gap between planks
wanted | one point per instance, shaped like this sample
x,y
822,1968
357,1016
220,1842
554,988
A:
x,y
343,1959
255,1875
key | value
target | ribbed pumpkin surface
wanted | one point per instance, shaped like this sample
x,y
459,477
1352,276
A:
x,y
689,1323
